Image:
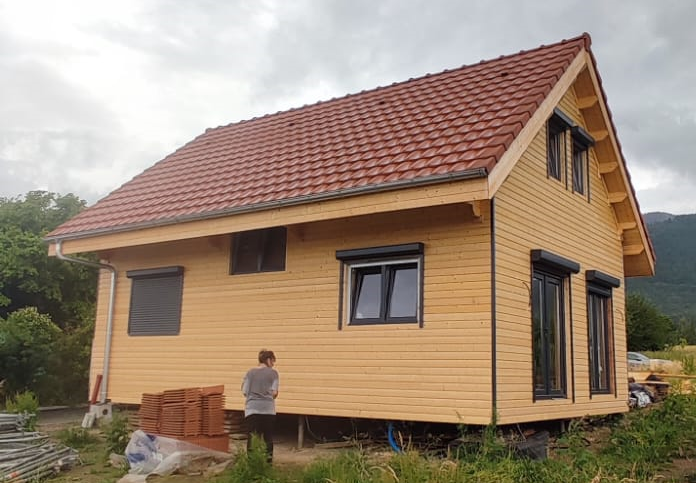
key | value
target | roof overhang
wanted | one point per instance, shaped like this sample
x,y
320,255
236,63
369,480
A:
x,y
465,187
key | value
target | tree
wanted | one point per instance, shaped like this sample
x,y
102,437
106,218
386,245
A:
x,y
28,277
48,304
26,356
647,328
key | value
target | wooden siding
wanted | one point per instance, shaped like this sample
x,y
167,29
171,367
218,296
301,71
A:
x,y
441,372
533,211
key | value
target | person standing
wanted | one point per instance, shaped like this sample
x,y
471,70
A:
x,y
260,388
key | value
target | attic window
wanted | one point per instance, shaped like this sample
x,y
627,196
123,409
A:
x,y
556,129
155,305
581,143
259,251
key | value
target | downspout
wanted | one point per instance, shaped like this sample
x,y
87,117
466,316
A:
x,y
109,316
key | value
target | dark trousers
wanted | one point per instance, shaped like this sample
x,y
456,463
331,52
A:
x,y
261,425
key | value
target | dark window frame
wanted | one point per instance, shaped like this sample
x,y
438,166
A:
x,y
555,159
157,311
264,240
599,290
600,382
582,141
552,270
556,145
385,261
541,350
580,169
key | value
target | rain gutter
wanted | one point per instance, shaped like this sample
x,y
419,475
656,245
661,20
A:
x,y
299,200
110,313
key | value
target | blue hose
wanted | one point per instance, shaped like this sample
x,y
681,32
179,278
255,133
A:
x,y
390,437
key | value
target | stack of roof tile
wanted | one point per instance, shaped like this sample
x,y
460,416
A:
x,y
151,412
213,413
196,415
181,412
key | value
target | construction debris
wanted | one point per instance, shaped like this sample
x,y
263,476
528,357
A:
x,y
151,456
29,456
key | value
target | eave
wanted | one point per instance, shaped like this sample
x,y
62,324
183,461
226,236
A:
x,y
468,187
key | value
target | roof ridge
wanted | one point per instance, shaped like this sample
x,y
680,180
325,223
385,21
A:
x,y
585,37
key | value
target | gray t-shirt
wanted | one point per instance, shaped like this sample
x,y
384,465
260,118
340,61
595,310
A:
x,y
258,386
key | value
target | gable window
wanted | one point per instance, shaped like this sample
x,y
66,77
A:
x,y
155,305
600,330
383,285
581,144
556,128
550,274
579,168
259,251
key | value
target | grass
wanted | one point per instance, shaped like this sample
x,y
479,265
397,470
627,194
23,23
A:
x,y
637,447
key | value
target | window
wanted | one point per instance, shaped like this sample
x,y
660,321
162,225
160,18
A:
x,y
600,330
579,168
549,275
259,251
581,144
556,154
549,334
556,128
383,285
155,307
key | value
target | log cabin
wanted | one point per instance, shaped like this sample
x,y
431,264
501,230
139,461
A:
x,y
451,248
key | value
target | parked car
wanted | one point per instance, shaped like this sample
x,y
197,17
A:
x,y
641,362
638,362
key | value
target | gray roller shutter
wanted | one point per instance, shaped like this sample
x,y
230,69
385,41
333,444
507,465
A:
x,y
155,307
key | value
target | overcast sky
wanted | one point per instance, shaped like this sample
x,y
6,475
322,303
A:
x,y
94,92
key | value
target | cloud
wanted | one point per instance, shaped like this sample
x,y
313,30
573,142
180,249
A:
x,y
98,92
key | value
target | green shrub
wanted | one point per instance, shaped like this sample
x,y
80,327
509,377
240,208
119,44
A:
x,y
117,434
77,437
27,357
252,467
24,403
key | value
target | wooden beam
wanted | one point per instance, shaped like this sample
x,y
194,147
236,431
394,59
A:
x,y
617,197
637,268
600,134
587,102
633,250
605,168
628,225
476,208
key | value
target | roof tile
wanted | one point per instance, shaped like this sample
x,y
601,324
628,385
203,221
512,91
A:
x,y
446,123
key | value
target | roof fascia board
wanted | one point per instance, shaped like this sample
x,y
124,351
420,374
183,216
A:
x,y
507,162
435,194
622,164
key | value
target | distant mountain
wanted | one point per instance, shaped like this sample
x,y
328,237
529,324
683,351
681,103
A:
x,y
673,288
657,217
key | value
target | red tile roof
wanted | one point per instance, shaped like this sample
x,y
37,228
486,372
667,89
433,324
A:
x,y
457,122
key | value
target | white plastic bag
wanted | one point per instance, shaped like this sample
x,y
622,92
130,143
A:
x,y
152,454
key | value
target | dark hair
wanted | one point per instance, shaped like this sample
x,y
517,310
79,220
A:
x,y
265,354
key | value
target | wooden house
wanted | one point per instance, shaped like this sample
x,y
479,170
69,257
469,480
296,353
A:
x,y
444,249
